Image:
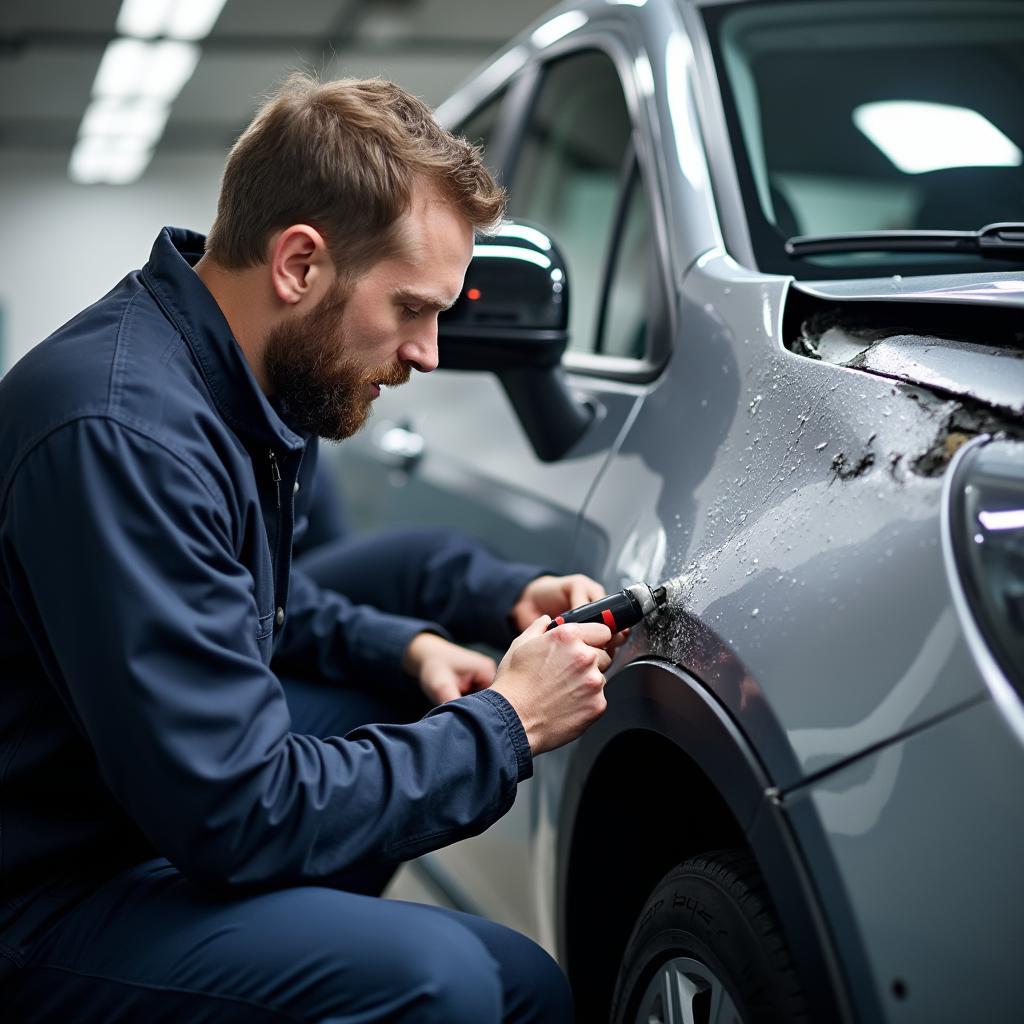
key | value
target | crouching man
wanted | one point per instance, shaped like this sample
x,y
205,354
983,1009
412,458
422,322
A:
x,y
209,764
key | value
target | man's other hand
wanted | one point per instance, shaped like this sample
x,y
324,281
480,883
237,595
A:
x,y
445,670
553,595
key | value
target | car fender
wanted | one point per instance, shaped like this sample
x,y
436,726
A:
x,y
656,698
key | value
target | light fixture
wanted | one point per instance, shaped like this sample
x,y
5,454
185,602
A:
x,y
171,66
143,19
175,19
193,19
139,77
142,119
111,161
919,137
133,67
122,68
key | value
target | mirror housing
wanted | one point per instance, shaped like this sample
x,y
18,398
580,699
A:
x,y
512,318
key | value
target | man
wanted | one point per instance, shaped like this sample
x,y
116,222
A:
x,y
186,836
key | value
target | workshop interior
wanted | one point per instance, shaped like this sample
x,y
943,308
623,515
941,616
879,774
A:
x,y
739,370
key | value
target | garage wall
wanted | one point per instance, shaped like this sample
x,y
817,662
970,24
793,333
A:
x,y
65,245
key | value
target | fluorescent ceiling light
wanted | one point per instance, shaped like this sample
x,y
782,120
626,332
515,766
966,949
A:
x,y
143,18
137,80
131,67
553,30
193,19
919,137
176,19
139,119
122,68
171,67
108,161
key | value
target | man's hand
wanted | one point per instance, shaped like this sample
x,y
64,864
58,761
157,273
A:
x,y
555,680
553,595
445,670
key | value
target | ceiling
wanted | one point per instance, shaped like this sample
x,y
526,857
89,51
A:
x,y
49,53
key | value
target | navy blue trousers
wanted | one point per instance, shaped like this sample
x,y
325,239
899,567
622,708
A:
x,y
150,946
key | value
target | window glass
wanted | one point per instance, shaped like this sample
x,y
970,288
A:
x,y
568,174
633,282
873,115
479,128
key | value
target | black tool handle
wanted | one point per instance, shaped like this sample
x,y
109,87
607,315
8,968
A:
x,y
617,611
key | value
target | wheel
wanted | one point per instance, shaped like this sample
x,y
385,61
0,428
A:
x,y
707,949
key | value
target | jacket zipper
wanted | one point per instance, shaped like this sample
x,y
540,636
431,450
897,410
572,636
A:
x,y
275,475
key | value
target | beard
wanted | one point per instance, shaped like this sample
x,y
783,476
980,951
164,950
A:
x,y
312,369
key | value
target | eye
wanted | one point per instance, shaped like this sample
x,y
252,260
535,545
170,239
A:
x,y
408,313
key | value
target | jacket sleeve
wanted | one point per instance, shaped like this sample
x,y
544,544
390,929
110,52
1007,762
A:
x,y
147,624
433,574
326,636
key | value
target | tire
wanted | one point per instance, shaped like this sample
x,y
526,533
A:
x,y
707,948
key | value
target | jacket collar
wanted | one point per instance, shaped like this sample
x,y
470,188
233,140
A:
x,y
187,302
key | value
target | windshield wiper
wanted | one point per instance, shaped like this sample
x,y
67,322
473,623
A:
x,y
995,241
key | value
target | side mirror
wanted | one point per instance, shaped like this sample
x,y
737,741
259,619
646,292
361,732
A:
x,y
512,318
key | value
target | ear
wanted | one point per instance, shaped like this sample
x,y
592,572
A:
x,y
301,267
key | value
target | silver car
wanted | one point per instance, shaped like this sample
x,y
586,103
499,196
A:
x,y
781,246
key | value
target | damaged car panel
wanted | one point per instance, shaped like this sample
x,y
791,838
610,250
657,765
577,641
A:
x,y
785,441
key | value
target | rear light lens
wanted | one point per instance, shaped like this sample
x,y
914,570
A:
x,y
987,534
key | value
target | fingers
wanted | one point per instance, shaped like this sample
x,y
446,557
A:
x,y
579,592
582,590
538,626
594,634
482,675
619,639
449,691
441,687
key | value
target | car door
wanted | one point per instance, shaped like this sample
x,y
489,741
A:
x,y
448,448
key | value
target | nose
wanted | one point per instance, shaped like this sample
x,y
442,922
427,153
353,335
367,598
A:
x,y
421,351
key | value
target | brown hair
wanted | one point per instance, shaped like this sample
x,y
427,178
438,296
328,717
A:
x,y
343,157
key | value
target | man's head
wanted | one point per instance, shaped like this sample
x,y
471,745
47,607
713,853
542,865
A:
x,y
358,212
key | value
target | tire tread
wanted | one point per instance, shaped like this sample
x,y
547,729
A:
x,y
734,873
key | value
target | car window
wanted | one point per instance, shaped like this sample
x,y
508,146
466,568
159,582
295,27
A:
x,y
633,280
568,175
914,122
479,127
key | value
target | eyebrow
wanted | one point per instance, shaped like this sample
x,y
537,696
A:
x,y
432,302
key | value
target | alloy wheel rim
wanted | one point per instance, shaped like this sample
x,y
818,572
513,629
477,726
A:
x,y
685,991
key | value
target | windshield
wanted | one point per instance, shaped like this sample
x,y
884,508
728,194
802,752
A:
x,y
865,115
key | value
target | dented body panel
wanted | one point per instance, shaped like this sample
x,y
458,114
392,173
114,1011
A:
x,y
790,561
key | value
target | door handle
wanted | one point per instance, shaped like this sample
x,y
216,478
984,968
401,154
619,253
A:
x,y
401,447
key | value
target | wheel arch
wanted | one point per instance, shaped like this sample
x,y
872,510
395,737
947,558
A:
x,y
663,724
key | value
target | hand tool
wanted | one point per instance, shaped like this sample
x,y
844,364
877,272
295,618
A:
x,y
618,611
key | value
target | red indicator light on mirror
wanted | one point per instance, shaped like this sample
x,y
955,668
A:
x,y
473,294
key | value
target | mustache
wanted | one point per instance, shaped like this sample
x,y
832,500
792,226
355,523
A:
x,y
390,375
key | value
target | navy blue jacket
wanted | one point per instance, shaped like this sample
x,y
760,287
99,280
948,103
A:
x,y
147,493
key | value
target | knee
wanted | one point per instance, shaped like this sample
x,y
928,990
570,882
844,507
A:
x,y
449,977
536,990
